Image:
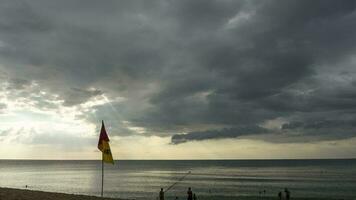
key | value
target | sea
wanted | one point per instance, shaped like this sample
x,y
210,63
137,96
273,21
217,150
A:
x,y
209,179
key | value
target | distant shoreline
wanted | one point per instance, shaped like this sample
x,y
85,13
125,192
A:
x,y
26,194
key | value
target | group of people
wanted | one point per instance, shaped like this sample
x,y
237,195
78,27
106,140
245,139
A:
x,y
287,194
190,195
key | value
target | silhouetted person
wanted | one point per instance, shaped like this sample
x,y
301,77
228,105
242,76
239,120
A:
x,y
190,194
264,192
161,194
194,197
280,195
176,198
287,193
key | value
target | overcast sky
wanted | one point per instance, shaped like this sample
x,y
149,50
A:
x,y
178,79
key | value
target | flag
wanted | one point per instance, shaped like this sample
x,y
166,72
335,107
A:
x,y
103,145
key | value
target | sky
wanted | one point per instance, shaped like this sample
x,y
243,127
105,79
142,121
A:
x,y
178,79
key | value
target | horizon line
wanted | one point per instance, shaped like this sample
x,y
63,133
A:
x,y
258,159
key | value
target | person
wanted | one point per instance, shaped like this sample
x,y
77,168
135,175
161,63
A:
x,y
161,194
176,198
287,193
190,194
194,197
280,195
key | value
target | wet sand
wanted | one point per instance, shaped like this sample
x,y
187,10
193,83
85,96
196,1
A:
x,y
17,194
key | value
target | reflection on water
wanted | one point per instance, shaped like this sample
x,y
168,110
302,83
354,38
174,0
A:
x,y
209,179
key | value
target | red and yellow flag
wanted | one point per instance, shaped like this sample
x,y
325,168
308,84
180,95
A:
x,y
103,145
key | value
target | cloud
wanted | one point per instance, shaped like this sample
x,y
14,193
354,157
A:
x,y
319,124
205,68
322,130
17,84
218,134
77,96
2,107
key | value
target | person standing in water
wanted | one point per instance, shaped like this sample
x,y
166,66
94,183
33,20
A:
x,y
190,194
161,194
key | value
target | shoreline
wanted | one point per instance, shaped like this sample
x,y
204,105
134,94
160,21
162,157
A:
x,y
28,194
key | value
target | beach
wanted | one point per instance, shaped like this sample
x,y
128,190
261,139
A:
x,y
22,194
25,194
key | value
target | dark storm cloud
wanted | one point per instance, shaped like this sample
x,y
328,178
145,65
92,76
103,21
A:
x,y
319,124
216,134
319,130
18,84
77,96
187,66
2,107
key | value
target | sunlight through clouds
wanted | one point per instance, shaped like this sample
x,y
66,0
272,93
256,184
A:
x,y
39,114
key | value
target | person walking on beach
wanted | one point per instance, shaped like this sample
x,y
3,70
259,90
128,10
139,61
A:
x,y
161,194
287,193
194,197
190,194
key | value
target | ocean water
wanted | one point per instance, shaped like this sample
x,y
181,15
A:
x,y
209,179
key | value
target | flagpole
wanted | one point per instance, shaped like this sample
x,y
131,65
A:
x,y
104,147
102,174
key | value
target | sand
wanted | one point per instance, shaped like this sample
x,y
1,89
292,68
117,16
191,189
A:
x,y
25,194
17,194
